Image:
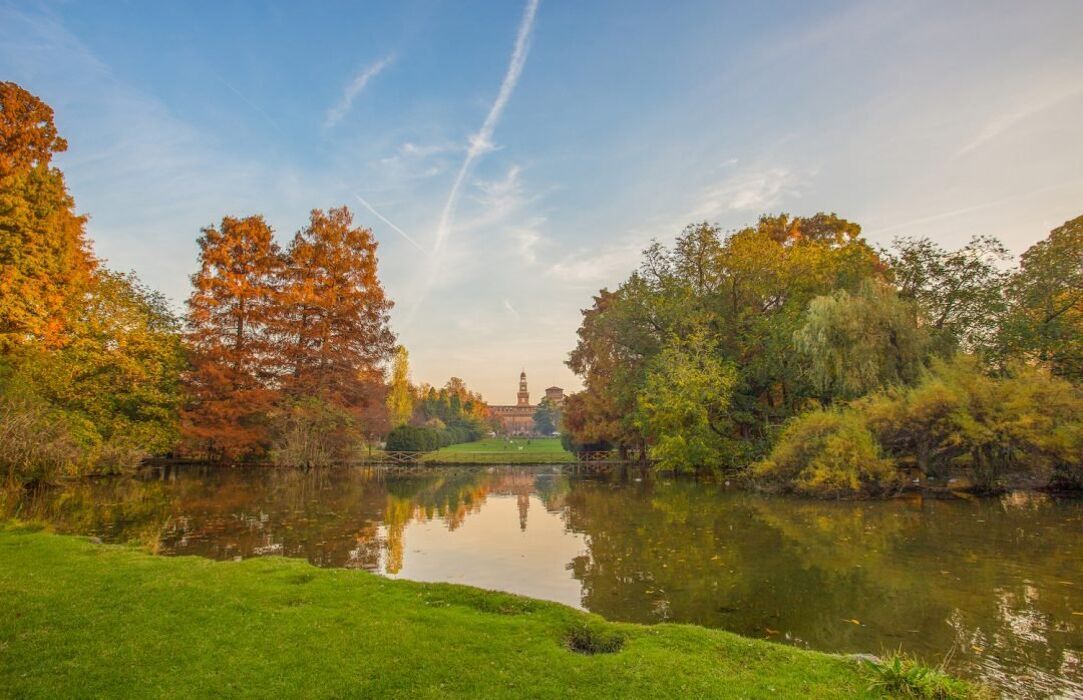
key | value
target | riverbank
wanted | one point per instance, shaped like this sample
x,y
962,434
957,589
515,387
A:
x,y
100,620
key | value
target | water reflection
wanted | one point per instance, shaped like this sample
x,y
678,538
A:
x,y
995,583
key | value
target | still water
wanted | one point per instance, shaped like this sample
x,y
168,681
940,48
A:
x,y
995,586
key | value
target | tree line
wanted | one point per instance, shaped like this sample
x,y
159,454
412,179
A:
x,y
424,417
279,356
797,354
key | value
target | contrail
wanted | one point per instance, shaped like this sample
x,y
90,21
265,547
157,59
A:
x,y
384,219
336,113
481,141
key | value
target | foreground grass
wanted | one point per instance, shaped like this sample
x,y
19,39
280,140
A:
x,y
83,619
501,451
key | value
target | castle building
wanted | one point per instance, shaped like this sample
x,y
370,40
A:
x,y
519,419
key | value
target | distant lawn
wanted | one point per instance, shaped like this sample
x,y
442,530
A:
x,y
86,620
501,451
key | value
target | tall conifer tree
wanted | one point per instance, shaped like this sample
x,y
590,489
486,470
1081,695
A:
x,y
233,381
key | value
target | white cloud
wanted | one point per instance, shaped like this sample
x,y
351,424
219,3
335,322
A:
x,y
751,190
353,89
594,267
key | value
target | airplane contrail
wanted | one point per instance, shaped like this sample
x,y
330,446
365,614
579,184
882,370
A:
x,y
384,219
480,143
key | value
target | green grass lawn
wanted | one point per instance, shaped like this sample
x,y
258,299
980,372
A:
x,y
501,451
79,619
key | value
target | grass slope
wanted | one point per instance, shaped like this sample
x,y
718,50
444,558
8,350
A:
x,y
83,619
501,451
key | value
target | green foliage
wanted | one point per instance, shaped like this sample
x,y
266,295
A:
x,y
960,293
855,343
1027,425
683,409
38,442
903,677
426,438
828,452
1044,323
748,290
546,417
114,390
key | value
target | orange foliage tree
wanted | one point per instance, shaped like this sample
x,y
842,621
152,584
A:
x,y
333,318
45,260
287,347
233,380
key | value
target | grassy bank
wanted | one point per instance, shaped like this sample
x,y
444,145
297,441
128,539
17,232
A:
x,y
501,451
83,619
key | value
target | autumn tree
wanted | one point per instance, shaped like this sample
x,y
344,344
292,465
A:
x,y
400,401
235,361
45,260
333,320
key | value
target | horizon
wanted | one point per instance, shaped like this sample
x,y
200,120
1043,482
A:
x,y
523,146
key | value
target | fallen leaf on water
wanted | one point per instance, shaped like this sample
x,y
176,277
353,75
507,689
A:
x,y
1077,613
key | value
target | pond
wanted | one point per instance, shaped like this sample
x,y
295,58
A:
x,y
995,586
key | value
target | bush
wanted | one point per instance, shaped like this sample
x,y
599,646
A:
x,y
312,433
1027,425
828,453
37,443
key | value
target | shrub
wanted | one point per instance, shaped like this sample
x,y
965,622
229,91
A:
x,y
38,443
313,433
828,453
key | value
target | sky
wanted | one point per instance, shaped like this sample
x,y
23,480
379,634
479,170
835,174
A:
x,y
512,158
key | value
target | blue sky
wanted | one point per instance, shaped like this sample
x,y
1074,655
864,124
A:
x,y
517,157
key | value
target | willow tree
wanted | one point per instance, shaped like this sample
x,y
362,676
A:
x,y
45,260
855,343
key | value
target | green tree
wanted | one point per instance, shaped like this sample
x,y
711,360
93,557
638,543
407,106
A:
x,y
119,376
1045,320
748,289
855,343
960,293
684,406
547,417
828,452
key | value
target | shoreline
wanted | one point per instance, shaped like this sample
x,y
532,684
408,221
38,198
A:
x,y
112,617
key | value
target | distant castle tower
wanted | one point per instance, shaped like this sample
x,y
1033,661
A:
x,y
524,395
